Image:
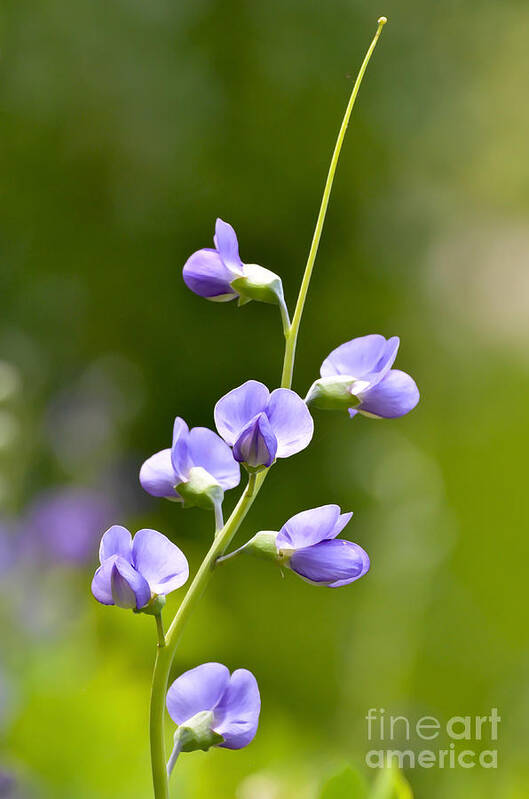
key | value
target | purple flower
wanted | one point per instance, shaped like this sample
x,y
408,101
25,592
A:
x,y
262,426
209,272
220,275
308,545
133,572
213,708
358,376
198,457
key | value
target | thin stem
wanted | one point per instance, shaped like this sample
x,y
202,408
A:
x,y
219,518
252,482
231,554
160,630
156,725
285,318
203,575
290,350
174,756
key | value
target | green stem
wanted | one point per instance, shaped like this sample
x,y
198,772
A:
x,y
203,575
285,318
160,630
156,726
219,519
231,554
292,337
224,536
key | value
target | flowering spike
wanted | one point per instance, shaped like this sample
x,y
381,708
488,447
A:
x,y
234,707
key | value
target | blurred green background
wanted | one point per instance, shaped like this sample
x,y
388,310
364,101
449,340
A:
x,y
126,128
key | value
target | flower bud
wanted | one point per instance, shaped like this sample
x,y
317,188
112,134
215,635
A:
x,y
122,592
256,444
335,393
200,489
196,733
258,283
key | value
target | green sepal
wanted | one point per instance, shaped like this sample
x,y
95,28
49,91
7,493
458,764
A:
x,y
256,469
243,300
200,490
334,393
263,545
259,284
154,607
196,733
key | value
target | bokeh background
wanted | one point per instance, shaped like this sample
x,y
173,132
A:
x,y
127,127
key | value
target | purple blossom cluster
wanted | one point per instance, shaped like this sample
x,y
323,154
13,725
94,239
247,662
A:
x,y
255,427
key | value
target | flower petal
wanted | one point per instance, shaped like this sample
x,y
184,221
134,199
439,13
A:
x,y
104,582
180,450
101,587
159,561
157,475
256,444
208,450
205,273
361,356
388,359
197,690
394,396
366,565
238,407
228,247
343,521
116,541
129,588
237,714
332,563
290,420
309,527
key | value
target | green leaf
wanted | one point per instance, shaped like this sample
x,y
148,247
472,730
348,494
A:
x,y
347,784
